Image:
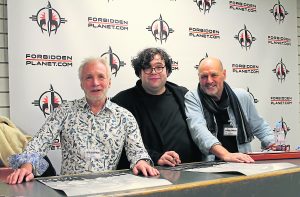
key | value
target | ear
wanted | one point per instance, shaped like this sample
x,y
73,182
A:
x,y
81,85
168,74
224,74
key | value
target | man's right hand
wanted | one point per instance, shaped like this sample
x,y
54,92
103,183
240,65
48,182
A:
x,y
170,158
238,157
224,155
22,174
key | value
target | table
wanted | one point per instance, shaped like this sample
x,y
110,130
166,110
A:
x,y
282,183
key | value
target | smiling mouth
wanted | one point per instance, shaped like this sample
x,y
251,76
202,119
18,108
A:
x,y
95,90
210,86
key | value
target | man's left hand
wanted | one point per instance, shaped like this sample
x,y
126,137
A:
x,y
143,167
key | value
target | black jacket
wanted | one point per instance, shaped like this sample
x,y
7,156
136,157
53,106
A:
x,y
131,99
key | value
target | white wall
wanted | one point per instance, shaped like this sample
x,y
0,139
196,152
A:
x,y
4,66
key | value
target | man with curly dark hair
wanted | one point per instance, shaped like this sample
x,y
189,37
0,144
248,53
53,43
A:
x,y
158,106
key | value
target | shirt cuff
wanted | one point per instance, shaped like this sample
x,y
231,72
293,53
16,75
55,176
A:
x,y
38,163
148,160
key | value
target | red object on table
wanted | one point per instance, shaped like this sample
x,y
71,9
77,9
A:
x,y
275,155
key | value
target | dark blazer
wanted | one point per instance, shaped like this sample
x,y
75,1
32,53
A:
x,y
131,99
50,170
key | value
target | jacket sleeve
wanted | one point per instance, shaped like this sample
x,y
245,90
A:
x,y
154,155
134,147
197,123
40,144
259,126
122,100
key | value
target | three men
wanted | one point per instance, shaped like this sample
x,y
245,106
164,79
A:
x,y
94,130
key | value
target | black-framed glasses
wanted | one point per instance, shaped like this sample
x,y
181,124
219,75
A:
x,y
157,70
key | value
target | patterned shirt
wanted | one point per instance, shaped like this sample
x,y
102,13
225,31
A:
x,y
89,143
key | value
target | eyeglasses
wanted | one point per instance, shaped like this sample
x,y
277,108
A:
x,y
157,70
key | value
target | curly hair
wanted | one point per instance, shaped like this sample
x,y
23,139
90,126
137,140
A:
x,y
144,58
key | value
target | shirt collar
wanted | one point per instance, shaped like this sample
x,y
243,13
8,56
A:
x,y
84,104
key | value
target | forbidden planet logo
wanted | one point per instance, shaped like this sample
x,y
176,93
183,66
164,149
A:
x,y
160,29
48,19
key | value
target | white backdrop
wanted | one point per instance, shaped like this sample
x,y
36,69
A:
x,y
47,40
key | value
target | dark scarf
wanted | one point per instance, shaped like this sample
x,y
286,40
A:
x,y
210,108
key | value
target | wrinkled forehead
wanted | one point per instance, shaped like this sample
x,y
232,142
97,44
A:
x,y
94,67
209,69
209,72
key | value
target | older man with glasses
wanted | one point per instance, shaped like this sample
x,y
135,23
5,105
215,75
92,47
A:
x,y
158,106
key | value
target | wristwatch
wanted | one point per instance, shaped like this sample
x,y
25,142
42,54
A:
x,y
148,161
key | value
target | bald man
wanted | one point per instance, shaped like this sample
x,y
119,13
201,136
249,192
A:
x,y
223,121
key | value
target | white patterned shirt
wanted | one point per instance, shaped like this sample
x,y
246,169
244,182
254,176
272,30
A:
x,y
89,143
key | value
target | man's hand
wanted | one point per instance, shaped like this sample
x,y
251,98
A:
x,y
238,157
145,168
170,158
271,147
23,173
223,154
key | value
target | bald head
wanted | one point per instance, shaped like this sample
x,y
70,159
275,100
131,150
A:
x,y
210,61
212,77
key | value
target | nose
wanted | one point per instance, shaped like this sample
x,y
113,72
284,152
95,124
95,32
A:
x,y
95,82
209,79
153,71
